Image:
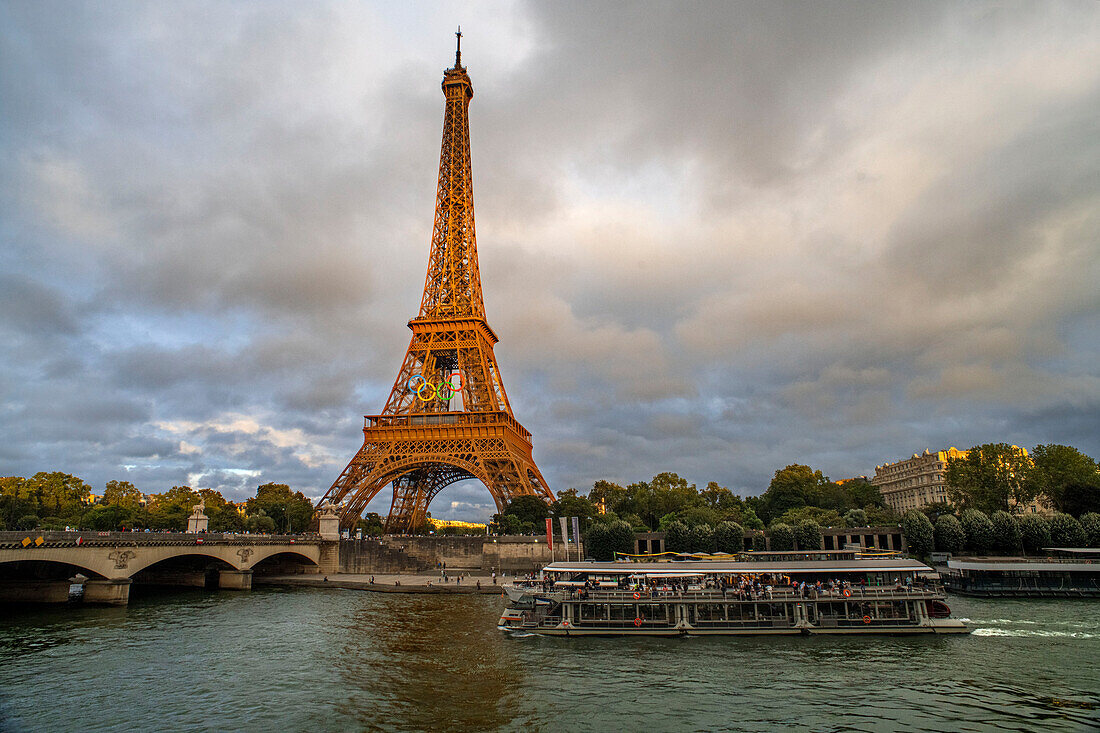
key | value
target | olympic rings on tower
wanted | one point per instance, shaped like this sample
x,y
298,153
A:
x,y
426,391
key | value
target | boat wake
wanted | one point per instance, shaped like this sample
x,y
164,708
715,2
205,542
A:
x,y
1034,632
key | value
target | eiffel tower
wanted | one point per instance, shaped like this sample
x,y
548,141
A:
x,y
447,418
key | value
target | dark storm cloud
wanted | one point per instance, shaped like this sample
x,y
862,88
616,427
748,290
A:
x,y
30,308
715,238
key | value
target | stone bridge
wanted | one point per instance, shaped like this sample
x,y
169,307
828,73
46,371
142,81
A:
x,y
35,566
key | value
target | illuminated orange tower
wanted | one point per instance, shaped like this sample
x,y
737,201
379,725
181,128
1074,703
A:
x,y
447,418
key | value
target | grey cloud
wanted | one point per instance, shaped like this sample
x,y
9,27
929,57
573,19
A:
x,y
714,239
31,308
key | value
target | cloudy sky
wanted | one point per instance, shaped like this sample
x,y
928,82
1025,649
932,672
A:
x,y
715,238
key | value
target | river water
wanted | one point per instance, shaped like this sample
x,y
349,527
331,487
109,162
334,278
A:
x,y
340,660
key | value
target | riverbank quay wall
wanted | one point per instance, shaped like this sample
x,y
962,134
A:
x,y
477,554
35,567
485,554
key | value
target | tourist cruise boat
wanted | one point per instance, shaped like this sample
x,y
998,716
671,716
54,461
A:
x,y
825,592
1065,572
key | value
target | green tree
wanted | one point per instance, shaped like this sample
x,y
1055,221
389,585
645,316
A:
x,y
609,494
759,541
792,487
701,538
750,520
882,516
666,493
621,537
1090,523
989,477
597,542
1061,472
1081,499
1034,532
224,516
1006,533
723,501
636,522
781,536
26,522
918,532
122,493
16,501
291,511
979,531
949,534
937,508
1065,531
697,515
171,509
677,537
48,494
108,517
570,504
528,509
604,539
371,524
808,535
855,518
862,493
817,515
505,524
260,524
729,538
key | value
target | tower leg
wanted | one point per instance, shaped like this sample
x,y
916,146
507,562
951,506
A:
x,y
407,497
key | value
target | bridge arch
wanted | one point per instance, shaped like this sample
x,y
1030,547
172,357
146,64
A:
x,y
182,557
150,557
283,562
44,569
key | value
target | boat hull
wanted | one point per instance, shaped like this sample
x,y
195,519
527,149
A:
x,y
954,627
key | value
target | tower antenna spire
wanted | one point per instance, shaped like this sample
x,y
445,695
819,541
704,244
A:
x,y
458,48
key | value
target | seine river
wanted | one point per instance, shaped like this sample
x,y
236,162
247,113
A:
x,y
339,660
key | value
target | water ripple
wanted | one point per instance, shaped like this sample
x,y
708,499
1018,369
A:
x,y
333,660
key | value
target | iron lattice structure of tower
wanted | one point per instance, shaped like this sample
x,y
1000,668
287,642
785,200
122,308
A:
x,y
447,417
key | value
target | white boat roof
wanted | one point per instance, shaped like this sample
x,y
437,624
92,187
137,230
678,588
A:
x,y
1017,565
726,567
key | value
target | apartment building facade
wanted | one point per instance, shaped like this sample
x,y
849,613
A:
x,y
915,482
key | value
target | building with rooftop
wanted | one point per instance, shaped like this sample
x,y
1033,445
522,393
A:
x,y
915,482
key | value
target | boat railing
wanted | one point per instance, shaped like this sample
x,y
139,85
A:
x,y
777,594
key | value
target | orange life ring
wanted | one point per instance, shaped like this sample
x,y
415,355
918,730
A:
x,y
636,596
866,619
847,592
638,621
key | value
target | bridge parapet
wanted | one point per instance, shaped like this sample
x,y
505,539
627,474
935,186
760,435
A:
x,y
113,539
120,556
